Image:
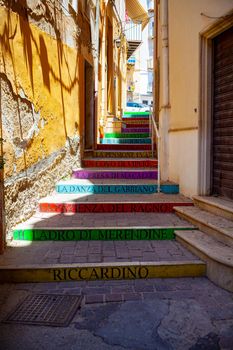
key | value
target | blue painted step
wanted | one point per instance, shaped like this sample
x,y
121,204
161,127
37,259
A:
x,y
114,186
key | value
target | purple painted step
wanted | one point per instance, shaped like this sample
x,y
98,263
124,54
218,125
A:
x,y
135,130
115,174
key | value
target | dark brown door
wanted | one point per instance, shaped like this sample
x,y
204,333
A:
x,y
222,176
89,106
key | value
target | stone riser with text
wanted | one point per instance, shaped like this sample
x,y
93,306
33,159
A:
x,y
119,163
110,207
96,272
85,174
128,141
125,147
110,189
96,234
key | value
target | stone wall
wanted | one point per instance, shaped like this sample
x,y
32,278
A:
x,y
41,99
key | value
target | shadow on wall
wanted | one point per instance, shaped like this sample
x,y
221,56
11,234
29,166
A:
x,y
53,15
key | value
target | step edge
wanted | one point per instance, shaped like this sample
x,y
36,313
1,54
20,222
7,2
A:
x,y
180,227
213,204
207,224
100,169
109,202
181,234
104,264
141,182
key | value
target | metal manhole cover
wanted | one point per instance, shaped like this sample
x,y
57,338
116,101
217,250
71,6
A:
x,y
45,310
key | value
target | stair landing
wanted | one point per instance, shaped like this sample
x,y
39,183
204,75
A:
x,y
96,260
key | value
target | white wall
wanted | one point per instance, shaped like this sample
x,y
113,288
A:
x,y
185,25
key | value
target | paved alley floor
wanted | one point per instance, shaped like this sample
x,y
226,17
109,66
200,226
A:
x,y
52,252
163,314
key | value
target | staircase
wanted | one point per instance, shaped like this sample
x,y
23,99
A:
x,y
107,221
212,241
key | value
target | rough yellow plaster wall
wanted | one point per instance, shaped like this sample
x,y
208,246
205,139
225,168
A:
x,y
43,71
41,105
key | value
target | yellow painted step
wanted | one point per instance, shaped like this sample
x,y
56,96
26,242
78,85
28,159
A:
x,y
101,271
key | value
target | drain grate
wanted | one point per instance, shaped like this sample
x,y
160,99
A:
x,y
45,310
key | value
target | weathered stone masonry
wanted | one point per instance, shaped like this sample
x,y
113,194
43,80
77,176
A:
x,y
41,56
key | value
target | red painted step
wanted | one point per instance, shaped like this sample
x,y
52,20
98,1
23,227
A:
x,y
110,207
157,203
115,163
134,119
125,147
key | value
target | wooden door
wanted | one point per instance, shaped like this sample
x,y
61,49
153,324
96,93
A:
x,y
222,145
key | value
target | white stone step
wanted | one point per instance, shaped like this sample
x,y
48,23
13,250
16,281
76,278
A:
x,y
217,255
216,226
215,205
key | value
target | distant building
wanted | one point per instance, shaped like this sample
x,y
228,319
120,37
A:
x,y
140,64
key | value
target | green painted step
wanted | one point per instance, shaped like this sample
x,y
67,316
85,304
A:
x,y
136,113
89,234
126,135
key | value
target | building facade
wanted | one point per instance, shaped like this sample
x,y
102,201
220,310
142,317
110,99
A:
x,y
140,64
194,68
62,70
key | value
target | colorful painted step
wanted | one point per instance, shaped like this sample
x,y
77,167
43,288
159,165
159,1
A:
x,y
126,135
96,234
135,120
115,174
121,154
135,130
136,114
128,122
119,163
125,147
101,271
128,141
137,226
80,203
114,186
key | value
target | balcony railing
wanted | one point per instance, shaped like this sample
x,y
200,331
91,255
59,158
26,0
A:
x,y
133,33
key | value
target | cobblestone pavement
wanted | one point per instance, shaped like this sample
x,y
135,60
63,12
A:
x,y
121,198
52,252
163,314
96,220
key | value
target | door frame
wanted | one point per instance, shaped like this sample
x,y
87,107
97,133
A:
x,y
206,101
89,134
